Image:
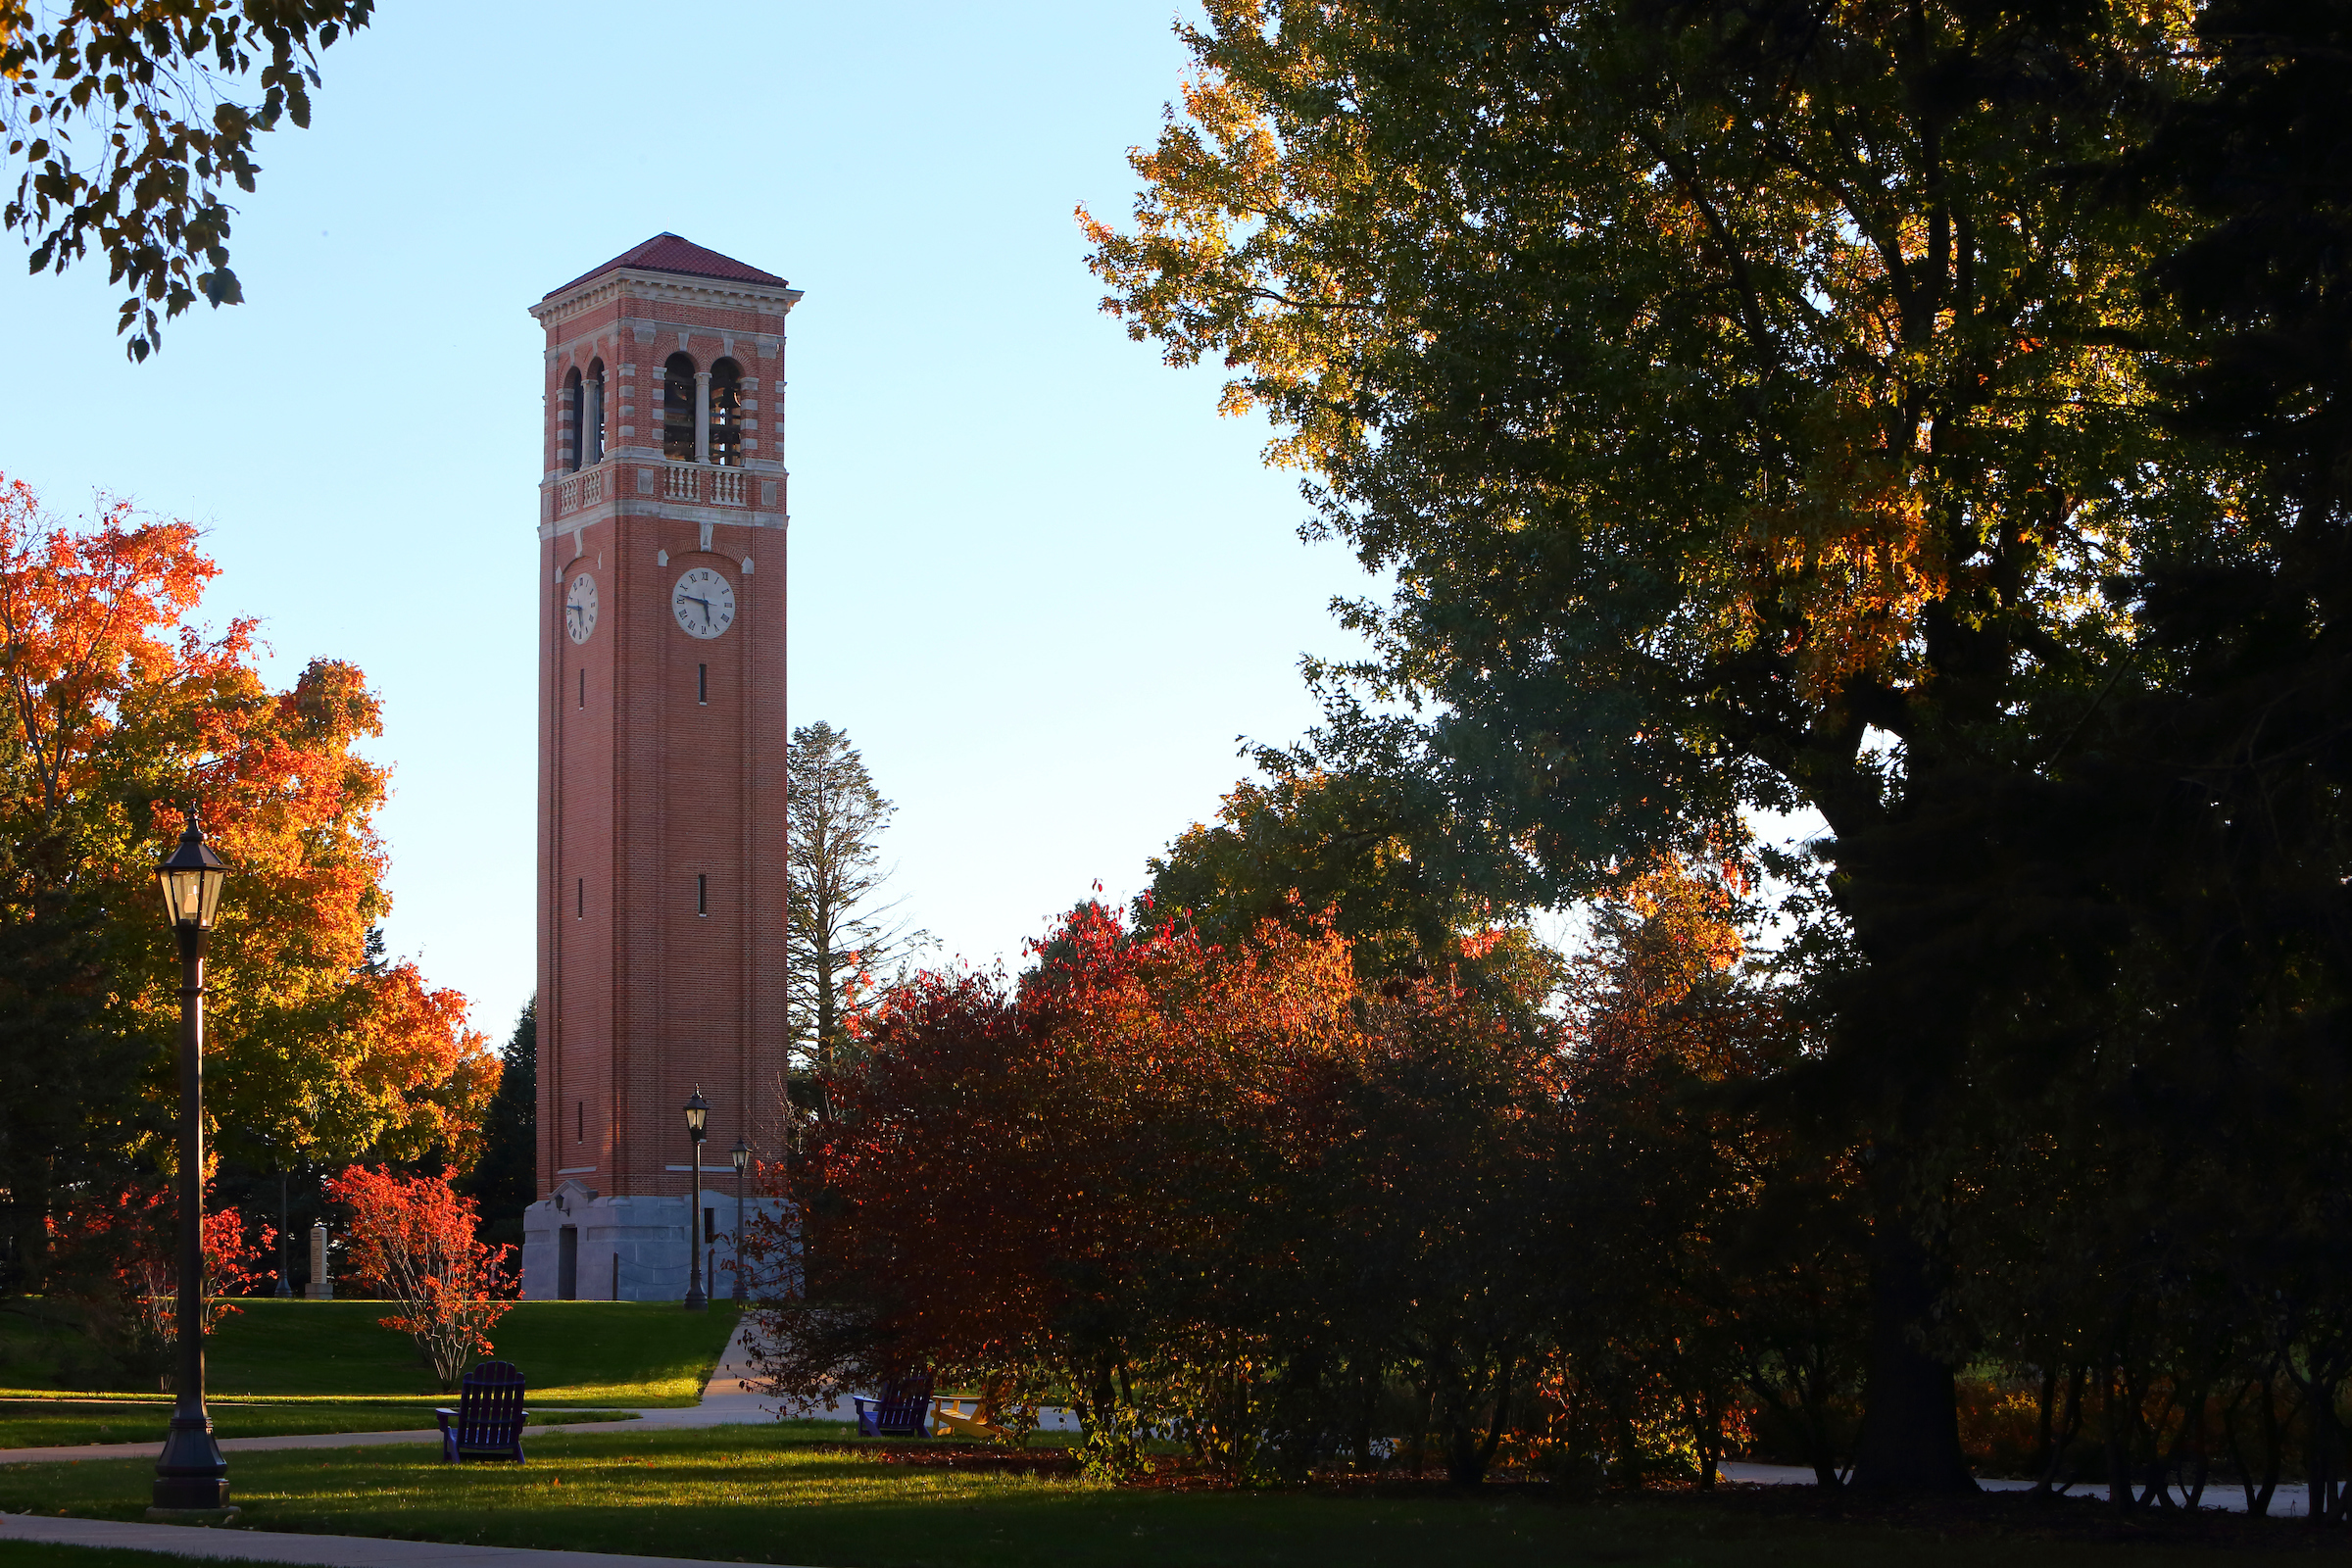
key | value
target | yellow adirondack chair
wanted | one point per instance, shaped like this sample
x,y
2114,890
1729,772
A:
x,y
948,1411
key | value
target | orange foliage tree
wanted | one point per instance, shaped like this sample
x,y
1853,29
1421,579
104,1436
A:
x,y
119,708
412,1238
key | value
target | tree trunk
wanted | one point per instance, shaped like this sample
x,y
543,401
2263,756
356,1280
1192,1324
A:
x,y
2119,1449
2056,1442
1910,1438
826,1023
1467,1464
2273,1458
1429,1409
2322,1467
1710,1441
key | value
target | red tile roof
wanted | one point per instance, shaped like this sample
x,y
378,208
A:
x,y
668,252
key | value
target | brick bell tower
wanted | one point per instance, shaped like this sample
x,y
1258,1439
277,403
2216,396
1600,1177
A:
x,y
661,742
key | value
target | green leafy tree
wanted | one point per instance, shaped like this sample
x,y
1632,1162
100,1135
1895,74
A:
x,y
126,125
1362,847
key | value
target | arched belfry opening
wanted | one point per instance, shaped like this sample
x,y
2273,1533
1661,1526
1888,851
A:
x,y
726,414
678,426
592,417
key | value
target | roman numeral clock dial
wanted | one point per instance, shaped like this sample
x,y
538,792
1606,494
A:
x,y
579,608
702,603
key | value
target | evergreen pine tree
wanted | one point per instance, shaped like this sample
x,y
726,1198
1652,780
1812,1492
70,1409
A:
x,y
505,1179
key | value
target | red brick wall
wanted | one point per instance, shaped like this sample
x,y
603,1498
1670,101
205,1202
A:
x,y
644,788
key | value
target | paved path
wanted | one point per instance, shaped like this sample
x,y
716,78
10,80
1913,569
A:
x,y
330,1551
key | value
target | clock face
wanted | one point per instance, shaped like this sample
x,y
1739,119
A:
x,y
579,608
702,603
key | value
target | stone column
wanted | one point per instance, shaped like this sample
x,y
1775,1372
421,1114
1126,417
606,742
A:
x,y
592,437
322,1284
702,416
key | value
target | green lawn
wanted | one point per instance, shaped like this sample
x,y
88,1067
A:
x,y
572,1352
780,1495
56,1422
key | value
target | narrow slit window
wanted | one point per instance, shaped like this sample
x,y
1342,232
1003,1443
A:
x,y
580,899
580,1122
583,688
702,683
570,420
702,895
710,1224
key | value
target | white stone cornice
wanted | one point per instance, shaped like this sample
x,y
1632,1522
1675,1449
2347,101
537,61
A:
x,y
604,511
664,288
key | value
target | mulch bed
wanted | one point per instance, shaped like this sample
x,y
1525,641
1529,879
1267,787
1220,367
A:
x,y
968,1456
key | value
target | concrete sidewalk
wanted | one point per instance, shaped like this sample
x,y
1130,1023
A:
x,y
326,1551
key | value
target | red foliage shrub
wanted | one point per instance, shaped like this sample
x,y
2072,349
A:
x,y
412,1238
119,1257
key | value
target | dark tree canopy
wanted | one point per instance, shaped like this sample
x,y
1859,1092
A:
x,y
1928,415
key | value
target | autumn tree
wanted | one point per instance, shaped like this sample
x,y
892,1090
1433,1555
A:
x,y
118,709
1218,1191
1755,411
127,124
1048,1151
1717,1237
837,933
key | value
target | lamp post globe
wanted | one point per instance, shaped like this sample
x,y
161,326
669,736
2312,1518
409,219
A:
x,y
190,1473
698,1125
741,1155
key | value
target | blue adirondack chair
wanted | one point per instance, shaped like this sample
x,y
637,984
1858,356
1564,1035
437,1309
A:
x,y
487,1423
904,1409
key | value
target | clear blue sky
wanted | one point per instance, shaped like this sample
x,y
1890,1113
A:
x,y
1035,576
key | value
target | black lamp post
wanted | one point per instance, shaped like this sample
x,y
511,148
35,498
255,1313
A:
x,y
741,1153
698,1122
285,1286
191,1474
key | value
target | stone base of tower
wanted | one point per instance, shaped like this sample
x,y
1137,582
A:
x,y
578,1245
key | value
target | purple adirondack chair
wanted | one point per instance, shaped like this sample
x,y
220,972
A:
x,y
903,1410
487,1423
